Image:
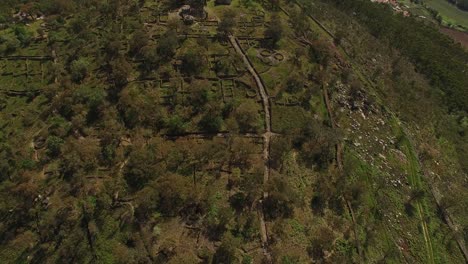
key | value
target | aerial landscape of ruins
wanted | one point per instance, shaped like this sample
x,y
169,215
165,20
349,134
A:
x,y
243,131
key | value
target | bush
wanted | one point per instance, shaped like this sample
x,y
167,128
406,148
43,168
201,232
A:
x,y
228,22
23,36
138,41
9,44
211,122
54,145
193,62
121,70
281,200
167,45
226,253
176,125
79,70
274,32
200,94
247,117
295,84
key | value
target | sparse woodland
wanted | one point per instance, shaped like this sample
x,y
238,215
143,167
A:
x,y
244,131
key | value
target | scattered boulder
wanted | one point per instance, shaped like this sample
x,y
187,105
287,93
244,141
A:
x,y
188,19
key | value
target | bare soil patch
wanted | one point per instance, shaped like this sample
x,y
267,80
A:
x,y
458,36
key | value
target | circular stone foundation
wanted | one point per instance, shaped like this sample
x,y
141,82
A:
x,y
266,53
278,57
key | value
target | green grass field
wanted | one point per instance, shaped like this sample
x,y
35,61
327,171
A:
x,y
416,9
450,13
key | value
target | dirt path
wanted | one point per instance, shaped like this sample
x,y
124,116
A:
x,y
438,200
55,60
415,181
204,135
266,140
458,36
258,81
450,222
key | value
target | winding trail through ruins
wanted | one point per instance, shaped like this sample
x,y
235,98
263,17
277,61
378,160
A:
x,y
266,141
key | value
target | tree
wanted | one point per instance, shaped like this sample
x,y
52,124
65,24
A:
x,y
281,200
299,22
7,161
137,42
247,117
203,42
93,98
141,168
316,143
322,241
240,150
175,192
54,145
200,94
23,35
78,25
211,121
223,65
150,58
197,4
9,44
167,45
274,32
295,83
317,204
138,108
226,253
59,126
57,7
79,69
175,125
80,156
339,36
279,147
193,62
218,219
111,132
250,189
112,47
121,70
228,22
320,53
462,4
